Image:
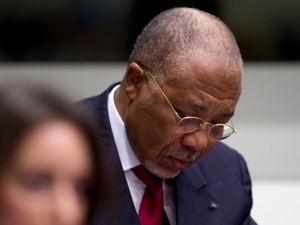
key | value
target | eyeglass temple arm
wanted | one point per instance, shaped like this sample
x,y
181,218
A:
x,y
234,130
162,92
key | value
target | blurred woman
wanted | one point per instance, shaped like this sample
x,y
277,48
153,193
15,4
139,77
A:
x,y
48,159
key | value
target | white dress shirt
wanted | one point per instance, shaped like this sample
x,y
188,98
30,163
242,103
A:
x,y
129,161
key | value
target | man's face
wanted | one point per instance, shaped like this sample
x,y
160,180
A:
x,y
205,90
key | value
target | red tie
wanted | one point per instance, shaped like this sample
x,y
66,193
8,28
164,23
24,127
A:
x,y
151,209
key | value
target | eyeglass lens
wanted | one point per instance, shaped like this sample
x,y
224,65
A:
x,y
215,132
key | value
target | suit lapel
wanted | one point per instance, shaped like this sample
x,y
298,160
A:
x,y
119,208
194,197
193,194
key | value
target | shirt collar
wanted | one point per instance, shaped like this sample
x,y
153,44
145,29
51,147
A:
x,y
127,157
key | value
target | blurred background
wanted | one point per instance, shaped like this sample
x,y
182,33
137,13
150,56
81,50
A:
x,y
82,46
105,30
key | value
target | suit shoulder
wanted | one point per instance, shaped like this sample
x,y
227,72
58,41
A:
x,y
222,157
91,102
221,149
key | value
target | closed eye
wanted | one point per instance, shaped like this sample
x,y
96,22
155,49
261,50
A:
x,y
182,114
35,181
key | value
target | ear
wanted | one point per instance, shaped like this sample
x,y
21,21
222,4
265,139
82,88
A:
x,y
134,78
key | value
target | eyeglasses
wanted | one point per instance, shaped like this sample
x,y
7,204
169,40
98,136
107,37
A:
x,y
191,124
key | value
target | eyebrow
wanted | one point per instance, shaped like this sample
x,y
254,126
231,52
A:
x,y
197,106
203,108
231,114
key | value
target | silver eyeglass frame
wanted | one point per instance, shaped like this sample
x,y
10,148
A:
x,y
210,125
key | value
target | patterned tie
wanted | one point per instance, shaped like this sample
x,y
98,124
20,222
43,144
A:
x,y
151,210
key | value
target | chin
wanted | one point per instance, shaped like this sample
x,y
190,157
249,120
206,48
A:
x,y
161,171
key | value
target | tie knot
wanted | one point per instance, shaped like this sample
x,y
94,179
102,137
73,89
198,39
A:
x,y
152,181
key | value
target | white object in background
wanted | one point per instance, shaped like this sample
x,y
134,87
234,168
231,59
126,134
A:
x,y
276,202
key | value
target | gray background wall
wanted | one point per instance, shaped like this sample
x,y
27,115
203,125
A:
x,y
267,116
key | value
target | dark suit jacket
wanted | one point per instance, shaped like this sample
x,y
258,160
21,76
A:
x,y
221,177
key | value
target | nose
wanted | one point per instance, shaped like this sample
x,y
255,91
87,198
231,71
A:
x,y
197,140
68,209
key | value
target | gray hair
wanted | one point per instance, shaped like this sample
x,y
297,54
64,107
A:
x,y
173,35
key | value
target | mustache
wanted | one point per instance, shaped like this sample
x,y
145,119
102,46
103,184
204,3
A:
x,y
186,154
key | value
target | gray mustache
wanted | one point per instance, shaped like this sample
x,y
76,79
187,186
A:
x,y
186,154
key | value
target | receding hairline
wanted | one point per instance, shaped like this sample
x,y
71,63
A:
x,y
203,32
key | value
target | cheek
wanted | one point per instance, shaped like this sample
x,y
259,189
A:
x,y
16,208
81,215
22,208
150,128
155,141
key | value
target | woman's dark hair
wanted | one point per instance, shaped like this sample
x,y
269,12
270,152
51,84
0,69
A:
x,y
24,105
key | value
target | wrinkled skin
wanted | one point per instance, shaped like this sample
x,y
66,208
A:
x,y
205,89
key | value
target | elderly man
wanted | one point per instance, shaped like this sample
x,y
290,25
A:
x,y
165,120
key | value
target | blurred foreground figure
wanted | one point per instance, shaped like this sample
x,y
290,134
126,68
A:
x,y
161,127
48,159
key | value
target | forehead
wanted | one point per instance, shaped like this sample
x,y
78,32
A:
x,y
206,70
207,81
57,146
